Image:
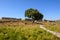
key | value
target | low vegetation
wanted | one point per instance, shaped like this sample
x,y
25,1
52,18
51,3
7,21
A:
x,y
25,32
55,26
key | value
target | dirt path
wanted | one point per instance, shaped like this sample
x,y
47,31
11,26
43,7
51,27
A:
x,y
54,33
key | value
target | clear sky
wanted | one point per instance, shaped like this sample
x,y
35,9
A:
x,y
16,8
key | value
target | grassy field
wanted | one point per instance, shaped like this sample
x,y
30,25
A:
x,y
53,26
24,31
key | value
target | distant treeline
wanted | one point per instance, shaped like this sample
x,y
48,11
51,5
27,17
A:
x,y
8,19
48,20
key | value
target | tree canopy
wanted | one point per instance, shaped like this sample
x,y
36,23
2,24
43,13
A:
x,y
34,14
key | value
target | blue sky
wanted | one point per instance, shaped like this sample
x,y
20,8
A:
x,y
16,8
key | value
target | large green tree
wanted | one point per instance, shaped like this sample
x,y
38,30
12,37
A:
x,y
34,14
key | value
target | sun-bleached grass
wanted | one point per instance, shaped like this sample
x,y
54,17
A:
x,y
53,26
22,31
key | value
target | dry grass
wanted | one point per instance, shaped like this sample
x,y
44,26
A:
x,y
22,31
54,26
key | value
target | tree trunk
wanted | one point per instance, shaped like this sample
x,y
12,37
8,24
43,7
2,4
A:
x,y
33,21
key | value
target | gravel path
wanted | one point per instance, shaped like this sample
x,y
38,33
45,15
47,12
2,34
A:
x,y
54,33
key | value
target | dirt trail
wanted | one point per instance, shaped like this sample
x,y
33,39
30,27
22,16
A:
x,y
54,33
